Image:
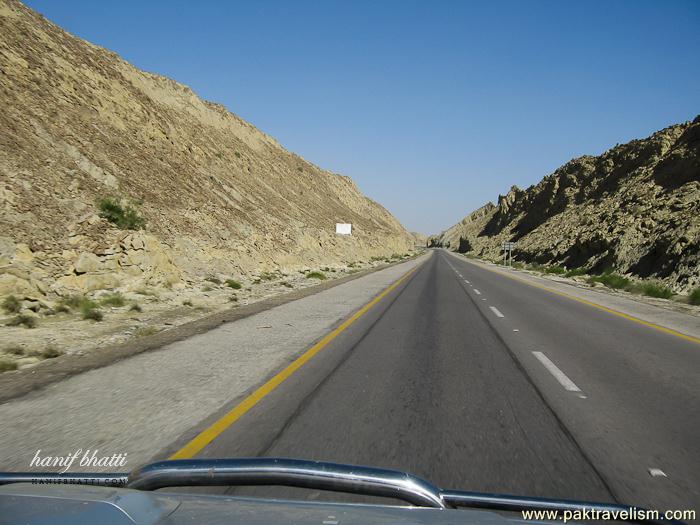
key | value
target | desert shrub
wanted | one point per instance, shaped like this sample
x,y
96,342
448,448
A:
x,y
518,265
187,302
654,289
213,279
11,304
7,364
611,280
61,309
233,299
50,352
575,271
115,299
145,331
207,288
26,320
74,301
555,269
238,155
232,283
91,311
14,350
287,285
316,275
268,276
135,307
124,217
694,296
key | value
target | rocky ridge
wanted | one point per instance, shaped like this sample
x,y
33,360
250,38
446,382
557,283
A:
x,y
634,209
218,197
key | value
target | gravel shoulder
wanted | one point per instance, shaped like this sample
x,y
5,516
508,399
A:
x,y
124,333
140,404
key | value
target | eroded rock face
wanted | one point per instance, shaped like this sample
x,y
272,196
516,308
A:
x,y
77,123
635,208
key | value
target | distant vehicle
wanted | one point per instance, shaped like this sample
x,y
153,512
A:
x,y
43,498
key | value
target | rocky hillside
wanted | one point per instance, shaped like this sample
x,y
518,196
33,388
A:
x,y
635,209
216,195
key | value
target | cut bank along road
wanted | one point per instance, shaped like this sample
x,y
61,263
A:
x,y
512,389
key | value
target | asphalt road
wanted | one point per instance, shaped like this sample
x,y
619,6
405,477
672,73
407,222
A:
x,y
476,381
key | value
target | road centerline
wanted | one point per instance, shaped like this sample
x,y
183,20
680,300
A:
x,y
496,311
553,369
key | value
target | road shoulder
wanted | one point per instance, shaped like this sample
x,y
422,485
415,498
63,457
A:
x,y
666,318
21,382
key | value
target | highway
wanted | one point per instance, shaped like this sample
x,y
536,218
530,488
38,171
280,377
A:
x,y
478,381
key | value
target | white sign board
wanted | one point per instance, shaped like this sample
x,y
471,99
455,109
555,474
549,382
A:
x,y
343,229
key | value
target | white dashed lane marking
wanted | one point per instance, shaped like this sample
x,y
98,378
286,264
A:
x,y
560,376
657,473
496,311
477,292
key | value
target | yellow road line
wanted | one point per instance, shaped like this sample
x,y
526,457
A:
x,y
210,434
595,305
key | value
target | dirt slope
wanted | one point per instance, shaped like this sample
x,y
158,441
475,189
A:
x,y
78,123
635,208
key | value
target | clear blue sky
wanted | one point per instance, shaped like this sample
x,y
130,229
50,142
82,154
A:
x,y
432,107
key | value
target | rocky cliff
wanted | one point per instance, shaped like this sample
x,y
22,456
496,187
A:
x,y
215,195
635,209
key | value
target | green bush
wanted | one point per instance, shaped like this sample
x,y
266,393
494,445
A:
x,y
145,331
124,217
232,283
15,350
74,302
611,280
11,304
50,352
575,271
26,320
90,311
115,299
694,297
7,364
654,289
316,275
